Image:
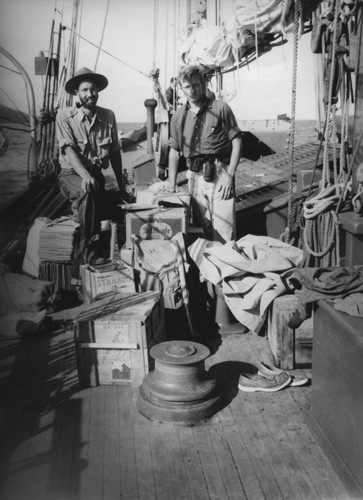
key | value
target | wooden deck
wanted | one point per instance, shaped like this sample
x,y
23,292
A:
x,y
61,442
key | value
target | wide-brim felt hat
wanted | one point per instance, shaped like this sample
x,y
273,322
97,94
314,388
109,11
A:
x,y
85,74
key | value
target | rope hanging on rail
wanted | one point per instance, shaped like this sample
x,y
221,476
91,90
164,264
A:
x,y
321,233
287,237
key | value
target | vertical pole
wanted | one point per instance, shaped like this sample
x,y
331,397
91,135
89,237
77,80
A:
x,y
150,105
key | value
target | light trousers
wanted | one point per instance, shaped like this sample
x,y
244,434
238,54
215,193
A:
x,y
216,216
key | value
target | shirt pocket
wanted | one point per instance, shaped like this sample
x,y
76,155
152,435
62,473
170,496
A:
x,y
104,147
82,146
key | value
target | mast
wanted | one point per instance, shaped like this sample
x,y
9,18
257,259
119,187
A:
x,y
32,114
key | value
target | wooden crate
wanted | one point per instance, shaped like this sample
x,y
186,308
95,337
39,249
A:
x,y
156,224
291,348
113,349
104,280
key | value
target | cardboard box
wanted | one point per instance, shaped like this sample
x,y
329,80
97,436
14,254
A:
x,y
126,256
290,348
114,349
156,224
101,281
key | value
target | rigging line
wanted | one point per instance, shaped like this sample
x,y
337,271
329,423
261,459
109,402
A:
x,y
103,33
10,69
108,53
326,168
156,15
256,37
13,103
79,20
18,129
166,43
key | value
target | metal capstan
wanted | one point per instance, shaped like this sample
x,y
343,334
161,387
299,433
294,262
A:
x,y
179,389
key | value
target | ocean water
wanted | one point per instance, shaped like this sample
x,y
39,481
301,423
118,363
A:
x,y
14,169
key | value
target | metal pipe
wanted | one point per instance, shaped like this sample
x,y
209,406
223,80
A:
x,y
150,105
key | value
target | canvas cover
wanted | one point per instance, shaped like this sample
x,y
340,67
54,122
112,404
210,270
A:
x,y
221,46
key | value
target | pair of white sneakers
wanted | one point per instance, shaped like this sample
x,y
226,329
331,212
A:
x,y
269,379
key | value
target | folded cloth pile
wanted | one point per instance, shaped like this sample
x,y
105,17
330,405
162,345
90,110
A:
x,y
341,285
252,271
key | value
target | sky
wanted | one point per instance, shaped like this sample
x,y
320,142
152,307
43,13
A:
x,y
135,36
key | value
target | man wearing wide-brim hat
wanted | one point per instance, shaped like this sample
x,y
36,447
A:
x,y
88,143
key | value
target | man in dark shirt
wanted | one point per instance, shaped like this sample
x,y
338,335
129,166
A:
x,y
205,132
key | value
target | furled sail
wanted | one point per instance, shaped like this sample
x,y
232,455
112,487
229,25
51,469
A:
x,y
253,26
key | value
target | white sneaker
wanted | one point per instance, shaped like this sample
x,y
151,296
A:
x,y
272,383
267,370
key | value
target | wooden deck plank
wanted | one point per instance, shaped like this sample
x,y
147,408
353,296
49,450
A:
x,y
112,466
259,442
162,476
276,412
40,439
8,352
143,458
306,461
276,448
248,476
231,476
285,413
196,479
223,453
94,474
175,456
225,372
80,477
21,441
129,486
67,417
93,444
313,462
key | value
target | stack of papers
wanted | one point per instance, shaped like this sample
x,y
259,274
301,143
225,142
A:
x,y
57,240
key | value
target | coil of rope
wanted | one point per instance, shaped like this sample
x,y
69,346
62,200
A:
x,y
320,222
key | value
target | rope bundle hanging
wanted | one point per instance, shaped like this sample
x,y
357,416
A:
x,y
287,236
321,230
322,240
320,223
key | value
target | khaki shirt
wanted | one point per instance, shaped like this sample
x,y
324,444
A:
x,y
93,141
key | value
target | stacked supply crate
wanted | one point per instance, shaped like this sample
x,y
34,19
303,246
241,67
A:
x,y
113,348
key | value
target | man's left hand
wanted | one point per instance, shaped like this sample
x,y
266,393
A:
x,y
226,187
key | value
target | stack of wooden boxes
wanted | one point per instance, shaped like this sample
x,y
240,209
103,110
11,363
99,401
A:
x,y
114,348
156,222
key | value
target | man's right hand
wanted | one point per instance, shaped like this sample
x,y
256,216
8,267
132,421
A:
x,y
170,188
90,184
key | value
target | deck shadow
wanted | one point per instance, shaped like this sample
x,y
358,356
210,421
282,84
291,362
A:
x,y
227,374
